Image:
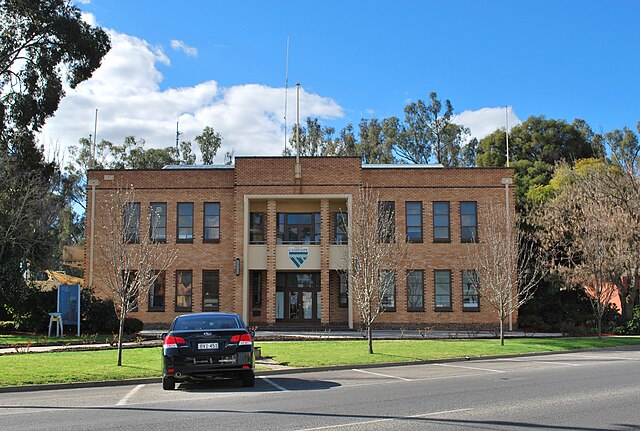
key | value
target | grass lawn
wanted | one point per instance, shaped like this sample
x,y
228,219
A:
x,y
8,340
57,367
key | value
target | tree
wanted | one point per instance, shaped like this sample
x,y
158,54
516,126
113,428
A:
x,y
39,40
209,142
429,131
313,139
132,261
506,269
378,257
375,147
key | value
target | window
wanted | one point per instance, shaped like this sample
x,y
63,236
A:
x,y
443,290
256,288
156,293
211,228
298,228
388,290
386,221
340,223
158,227
344,289
414,221
441,231
415,291
131,218
210,290
185,222
468,221
256,228
132,282
184,286
470,296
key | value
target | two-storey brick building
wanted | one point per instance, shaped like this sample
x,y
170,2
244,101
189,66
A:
x,y
266,240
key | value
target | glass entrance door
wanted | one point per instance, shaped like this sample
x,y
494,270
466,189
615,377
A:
x,y
297,297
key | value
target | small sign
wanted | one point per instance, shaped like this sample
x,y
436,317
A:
x,y
298,255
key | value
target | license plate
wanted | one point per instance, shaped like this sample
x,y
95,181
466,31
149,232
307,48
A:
x,y
207,346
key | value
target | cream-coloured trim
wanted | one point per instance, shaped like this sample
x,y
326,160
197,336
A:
x,y
245,267
349,212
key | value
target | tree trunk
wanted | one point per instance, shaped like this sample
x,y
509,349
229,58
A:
x,y
370,339
123,315
600,326
502,331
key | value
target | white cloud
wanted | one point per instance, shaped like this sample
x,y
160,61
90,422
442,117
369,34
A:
x,y
126,91
179,45
485,121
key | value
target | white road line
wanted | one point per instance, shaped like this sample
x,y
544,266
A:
x,y
617,358
568,364
382,375
470,368
131,393
444,412
275,385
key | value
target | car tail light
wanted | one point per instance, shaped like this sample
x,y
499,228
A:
x,y
242,339
172,342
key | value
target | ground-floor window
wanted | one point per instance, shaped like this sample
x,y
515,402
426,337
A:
x,y
156,293
415,290
442,283
470,296
210,290
184,284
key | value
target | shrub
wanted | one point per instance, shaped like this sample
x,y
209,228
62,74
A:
x,y
132,325
633,325
7,326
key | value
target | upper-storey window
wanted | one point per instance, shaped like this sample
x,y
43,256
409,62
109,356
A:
x,y
158,225
211,230
256,228
414,221
131,218
298,228
185,222
340,223
386,221
468,221
441,228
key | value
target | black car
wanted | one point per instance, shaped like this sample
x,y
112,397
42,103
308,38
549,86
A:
x,y
203,346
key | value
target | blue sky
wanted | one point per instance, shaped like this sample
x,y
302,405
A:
x,y
354,59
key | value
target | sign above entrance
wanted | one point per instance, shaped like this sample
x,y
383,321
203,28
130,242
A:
x,y
298,255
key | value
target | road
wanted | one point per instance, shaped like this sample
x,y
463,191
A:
x,y
587,391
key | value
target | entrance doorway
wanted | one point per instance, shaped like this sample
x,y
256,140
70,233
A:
x,y
298,297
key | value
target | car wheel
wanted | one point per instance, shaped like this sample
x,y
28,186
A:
x,y
168,383
248,379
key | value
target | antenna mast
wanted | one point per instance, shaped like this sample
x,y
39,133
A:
x,y
286,92
177,142
506,115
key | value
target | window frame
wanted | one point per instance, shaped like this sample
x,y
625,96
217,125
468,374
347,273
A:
x,y
392,291
259,226
205,227
340,228
387,207
282,228
179,307
465,307
216,273
406,221
435,290
343,289
474,237
162,275
256,292
179,226
415,308
163,217
448,225
131,233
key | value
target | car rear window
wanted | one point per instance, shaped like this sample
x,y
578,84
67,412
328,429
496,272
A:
x,y
199,323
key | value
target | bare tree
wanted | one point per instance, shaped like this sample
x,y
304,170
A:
x,y
132,261
506,267
378,258
587,235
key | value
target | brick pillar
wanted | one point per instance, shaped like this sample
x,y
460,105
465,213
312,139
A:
x,y
270,297
325,240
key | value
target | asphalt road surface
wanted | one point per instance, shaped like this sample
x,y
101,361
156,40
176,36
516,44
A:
x,y
591,391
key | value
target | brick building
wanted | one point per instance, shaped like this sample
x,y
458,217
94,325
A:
x,y
262,238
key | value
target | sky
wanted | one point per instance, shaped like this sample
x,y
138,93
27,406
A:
x,y
224,64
